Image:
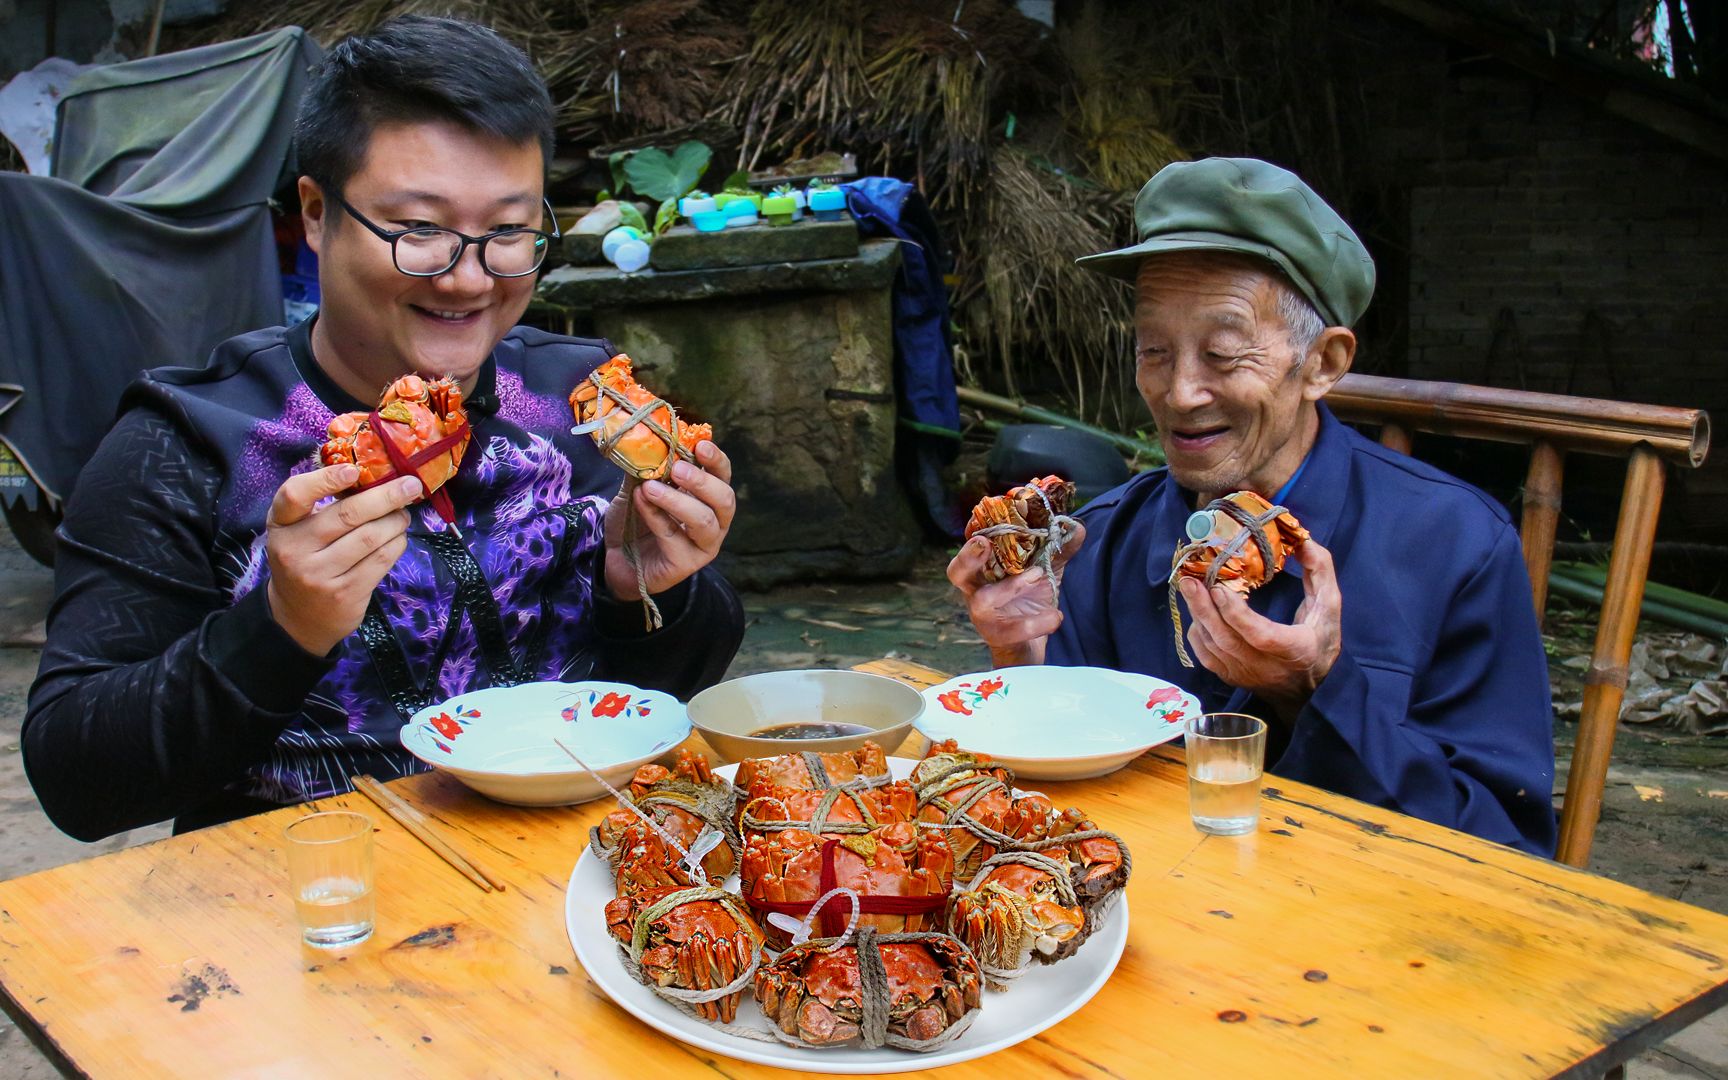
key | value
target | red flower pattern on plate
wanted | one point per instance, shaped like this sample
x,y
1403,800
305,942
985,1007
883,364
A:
x,y
951,701
988,687
611,705
446,725
1163,700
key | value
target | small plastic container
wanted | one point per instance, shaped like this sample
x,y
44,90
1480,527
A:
x,y
829,204
732,198
691,205
610,243
739,213
709,220
779,209
631,256
739,221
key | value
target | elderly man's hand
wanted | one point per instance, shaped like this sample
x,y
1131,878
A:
x,y
1017,615
679,528
1281,664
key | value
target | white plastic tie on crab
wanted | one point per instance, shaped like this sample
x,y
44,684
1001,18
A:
x,y
697,874
706,842
592,425
800,929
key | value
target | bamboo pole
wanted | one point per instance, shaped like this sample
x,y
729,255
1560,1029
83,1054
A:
x,y
1707,607
1127,444
1575,586
1541,516
1605,685
1592,425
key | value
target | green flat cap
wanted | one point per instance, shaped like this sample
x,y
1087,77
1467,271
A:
x,y
1256,208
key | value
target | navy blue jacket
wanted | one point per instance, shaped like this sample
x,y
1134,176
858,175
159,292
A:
x,y
1438,703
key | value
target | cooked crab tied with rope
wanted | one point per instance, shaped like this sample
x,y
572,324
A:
x,y
419,428
640,432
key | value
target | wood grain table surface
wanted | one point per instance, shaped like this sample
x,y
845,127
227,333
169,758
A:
x,y
1339,939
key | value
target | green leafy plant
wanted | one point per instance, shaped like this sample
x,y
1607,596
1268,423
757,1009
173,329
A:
x,y
666,216
659,176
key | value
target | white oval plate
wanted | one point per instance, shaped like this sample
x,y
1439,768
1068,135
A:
x,y
499,741
1057,723
1040,999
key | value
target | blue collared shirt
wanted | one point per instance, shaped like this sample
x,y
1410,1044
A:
x,y
1438,703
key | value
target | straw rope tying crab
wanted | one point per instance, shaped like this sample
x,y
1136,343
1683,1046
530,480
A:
x,y
642,434
1247,543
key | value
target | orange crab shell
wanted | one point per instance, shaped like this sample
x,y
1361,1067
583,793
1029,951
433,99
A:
x,y
815,995
1012,553
639,451
789,770
889,803
903,861
427,412
698,945
1005,932
1246,570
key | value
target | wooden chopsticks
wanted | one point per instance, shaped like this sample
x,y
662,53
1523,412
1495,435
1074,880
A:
x,y
415,822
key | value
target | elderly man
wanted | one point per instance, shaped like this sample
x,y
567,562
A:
x,y
235,628
1397,659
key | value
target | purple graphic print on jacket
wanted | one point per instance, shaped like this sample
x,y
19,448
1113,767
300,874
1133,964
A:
x,y
514,477
168,690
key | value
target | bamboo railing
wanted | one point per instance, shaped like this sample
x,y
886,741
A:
x,y
1553,425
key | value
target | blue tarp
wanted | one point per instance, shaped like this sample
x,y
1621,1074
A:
x,y
923,353
923,350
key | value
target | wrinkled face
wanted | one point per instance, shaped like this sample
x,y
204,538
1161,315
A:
x,y
377,323
1215,364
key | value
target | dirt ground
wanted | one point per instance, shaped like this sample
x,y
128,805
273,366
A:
x,y
1664,825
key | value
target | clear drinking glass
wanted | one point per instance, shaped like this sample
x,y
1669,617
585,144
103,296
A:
x,y
330,873
1226,757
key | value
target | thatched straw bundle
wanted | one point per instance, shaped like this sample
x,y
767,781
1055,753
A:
x,y
1029,145
1036,315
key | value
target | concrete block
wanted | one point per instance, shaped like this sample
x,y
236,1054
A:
x,y
793,365
683,248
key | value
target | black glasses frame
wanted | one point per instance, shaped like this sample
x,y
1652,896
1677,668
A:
x,y
391,236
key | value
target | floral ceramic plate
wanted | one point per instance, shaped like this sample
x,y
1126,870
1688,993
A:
x,y
500,741
1042,998
1057,723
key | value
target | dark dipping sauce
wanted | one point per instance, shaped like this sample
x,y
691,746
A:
x,y
810,731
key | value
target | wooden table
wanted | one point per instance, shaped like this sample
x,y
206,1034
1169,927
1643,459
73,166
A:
x,y
1339,939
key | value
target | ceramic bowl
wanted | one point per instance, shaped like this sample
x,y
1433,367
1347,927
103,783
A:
x,y
1057,723
500,741
732,715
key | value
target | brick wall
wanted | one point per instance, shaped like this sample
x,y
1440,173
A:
x,y
1550,246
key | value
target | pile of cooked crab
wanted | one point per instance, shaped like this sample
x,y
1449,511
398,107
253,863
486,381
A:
x,y
963,881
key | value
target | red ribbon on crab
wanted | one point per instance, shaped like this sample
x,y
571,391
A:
x,y
832,918
428,416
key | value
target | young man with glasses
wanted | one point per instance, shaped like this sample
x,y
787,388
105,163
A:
x,y
233,629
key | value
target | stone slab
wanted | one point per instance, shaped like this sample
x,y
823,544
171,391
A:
x,y
800,389
591,288
683,248
583,249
